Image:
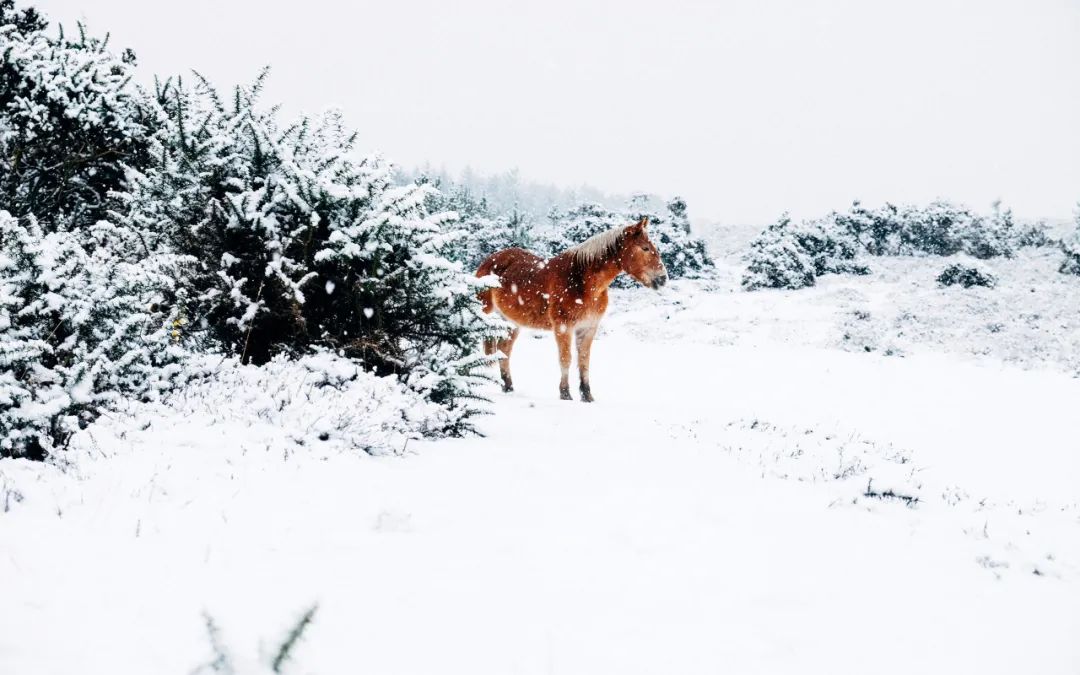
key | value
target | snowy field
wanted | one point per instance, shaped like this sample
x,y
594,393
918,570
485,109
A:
x,y
871,475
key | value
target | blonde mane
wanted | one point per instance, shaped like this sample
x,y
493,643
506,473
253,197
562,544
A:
x,y
599,246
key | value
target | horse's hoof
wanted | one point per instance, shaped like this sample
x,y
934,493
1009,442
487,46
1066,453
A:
x,y
587,398
508,388
565,395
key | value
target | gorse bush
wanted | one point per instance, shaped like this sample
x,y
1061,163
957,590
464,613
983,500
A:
x,y
300,246
776,260
1070,246
966,275
80,329
781,256
138,226
793,255
69,122
83,317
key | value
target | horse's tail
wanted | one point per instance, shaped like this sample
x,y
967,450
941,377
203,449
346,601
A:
x,y
487,295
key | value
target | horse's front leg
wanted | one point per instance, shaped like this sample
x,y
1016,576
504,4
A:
x,y
562,338
585,335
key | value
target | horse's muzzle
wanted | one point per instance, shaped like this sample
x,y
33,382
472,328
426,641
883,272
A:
x,y
659,281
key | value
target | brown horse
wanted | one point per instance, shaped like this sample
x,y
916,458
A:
x,y
567,294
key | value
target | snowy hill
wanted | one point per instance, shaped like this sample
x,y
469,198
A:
x,y
874,473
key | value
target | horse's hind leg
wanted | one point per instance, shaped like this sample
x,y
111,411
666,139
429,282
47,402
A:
x,y
506,346
562,338
585,335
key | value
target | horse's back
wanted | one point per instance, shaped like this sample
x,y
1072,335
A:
x,y
521,295
513,260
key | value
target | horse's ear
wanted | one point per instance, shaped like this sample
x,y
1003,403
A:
x,y
644,222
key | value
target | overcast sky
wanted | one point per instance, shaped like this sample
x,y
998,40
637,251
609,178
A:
x,y
746,108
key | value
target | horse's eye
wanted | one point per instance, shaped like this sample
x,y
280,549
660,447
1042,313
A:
x,y
645,248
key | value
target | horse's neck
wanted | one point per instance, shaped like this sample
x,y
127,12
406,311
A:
x,y
601,273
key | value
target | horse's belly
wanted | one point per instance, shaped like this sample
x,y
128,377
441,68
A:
x,y
524,308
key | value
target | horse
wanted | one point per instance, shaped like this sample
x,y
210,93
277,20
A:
x,y
567,294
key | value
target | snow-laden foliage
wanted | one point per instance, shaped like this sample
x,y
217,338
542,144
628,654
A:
x,y
81,327
776,261
319,400
484,230
966,275
1070,246
69,122
793,255
837,242
300,245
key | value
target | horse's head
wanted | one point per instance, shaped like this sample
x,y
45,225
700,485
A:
x,y
639,257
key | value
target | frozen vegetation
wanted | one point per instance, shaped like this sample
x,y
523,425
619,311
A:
x,y
244,427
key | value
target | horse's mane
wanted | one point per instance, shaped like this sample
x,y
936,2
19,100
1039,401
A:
x,y
599,246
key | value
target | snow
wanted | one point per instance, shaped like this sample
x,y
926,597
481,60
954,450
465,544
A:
x,y
750,493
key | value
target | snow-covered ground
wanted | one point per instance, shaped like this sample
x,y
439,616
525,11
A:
x,y
753,492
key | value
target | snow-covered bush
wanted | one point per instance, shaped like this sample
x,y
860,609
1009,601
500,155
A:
x,y
69,122
835,243
939,228
1033,235
80,328
792,255
317,400
301,246
777,260
1070,246
994,236
966,275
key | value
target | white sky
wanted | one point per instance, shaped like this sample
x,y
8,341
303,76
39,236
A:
x,y
747,108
